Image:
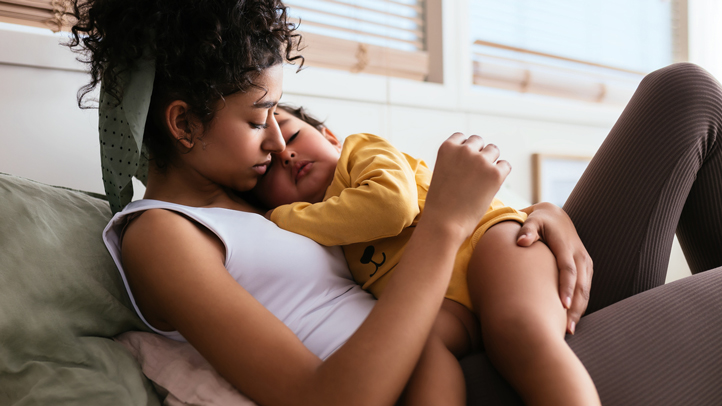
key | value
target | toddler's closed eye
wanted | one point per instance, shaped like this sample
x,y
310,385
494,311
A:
x,y
293,137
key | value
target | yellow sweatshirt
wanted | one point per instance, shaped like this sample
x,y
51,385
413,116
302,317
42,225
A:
x,y
371,208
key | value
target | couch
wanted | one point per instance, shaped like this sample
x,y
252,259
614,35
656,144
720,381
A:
x,y
69,336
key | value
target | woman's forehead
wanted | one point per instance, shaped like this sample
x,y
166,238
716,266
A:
x,y
263,96
270,82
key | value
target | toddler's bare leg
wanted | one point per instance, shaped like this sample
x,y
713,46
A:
x,y
437,378
523,322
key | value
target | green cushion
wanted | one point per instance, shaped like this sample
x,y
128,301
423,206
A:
x,y
61,299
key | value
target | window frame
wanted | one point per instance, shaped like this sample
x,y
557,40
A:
x,y
49,14
359,57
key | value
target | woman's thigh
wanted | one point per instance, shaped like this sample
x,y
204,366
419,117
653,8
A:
x,y
658,171
659,347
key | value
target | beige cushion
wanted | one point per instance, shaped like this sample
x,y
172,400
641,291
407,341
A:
x,y
180,371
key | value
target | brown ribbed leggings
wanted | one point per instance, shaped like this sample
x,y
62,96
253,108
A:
x,y
659,170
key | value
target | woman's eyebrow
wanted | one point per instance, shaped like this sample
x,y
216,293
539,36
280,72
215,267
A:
x,y
258,104
265,104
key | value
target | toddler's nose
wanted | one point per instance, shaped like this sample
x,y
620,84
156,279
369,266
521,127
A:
x,y
286,157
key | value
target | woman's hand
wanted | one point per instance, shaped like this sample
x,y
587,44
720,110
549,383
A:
x,y
550,224
466,177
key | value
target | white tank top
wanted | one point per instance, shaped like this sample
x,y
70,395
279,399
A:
x,y
306,285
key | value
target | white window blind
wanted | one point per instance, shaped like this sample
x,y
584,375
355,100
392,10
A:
x,y
38,13
384,37
595,50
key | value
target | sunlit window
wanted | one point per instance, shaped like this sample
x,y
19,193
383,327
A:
x,y
594,50
373,36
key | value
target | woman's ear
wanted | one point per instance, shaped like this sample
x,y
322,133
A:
x,y
331,137
178,121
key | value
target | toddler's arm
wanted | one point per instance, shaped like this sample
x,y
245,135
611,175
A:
x,y
373,195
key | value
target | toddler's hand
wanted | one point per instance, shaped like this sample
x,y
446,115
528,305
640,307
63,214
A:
x,y
466,177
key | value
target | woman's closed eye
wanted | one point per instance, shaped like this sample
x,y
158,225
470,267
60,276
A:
x,y
259,126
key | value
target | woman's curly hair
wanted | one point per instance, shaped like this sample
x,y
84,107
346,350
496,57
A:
x,y
203,50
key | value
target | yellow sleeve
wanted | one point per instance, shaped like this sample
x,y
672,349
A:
x,y
496,214
373,195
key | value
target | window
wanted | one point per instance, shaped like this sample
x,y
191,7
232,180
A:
x,y
38,13
591,50
384,37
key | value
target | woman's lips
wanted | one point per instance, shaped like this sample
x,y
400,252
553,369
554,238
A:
x,y
261,168
301,169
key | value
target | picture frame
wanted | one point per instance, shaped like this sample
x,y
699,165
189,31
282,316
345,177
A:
x,y
555,175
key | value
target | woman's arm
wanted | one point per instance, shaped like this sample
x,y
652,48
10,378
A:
x,y
550,224
176,271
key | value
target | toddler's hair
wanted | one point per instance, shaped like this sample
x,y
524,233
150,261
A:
x,y
303,115
203,50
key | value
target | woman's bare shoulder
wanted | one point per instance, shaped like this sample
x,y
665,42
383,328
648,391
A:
x,y
158,233
159,223
161,243
157,245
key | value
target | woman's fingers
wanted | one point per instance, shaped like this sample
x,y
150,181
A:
x,y
551,225
504,169
468,168
528,234
491,152
567,277
473,141
457,138
581,291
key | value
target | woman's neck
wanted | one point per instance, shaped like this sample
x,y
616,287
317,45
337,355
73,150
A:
x,y
174,186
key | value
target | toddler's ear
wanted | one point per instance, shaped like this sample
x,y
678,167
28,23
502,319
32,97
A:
x,y
331,137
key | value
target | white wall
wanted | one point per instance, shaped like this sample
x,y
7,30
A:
x,y
47,138
44,135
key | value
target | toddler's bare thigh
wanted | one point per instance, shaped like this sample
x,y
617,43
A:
x,y
508,282
457,327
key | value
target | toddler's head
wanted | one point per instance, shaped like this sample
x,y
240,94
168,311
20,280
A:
x,y
305,169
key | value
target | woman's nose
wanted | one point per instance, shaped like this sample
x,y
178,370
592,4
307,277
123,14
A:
x,y
274,141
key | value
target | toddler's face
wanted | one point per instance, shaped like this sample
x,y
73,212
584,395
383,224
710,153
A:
x,y
304,170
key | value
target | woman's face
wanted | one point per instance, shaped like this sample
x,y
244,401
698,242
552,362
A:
x,y
235,148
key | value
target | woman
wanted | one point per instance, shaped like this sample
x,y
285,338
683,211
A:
x,y
210,130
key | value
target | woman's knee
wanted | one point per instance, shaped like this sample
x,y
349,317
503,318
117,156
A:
x,y
682,79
